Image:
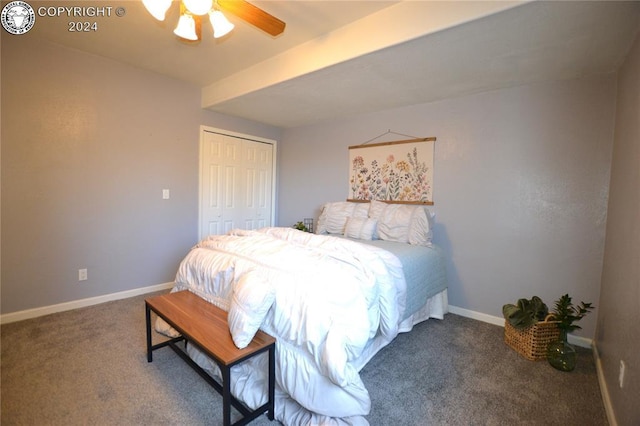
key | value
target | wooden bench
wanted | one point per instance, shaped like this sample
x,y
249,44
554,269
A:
x,y
205,325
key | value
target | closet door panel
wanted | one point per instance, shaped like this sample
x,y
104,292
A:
x,y
236,184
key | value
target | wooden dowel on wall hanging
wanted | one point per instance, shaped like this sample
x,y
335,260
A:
x,y
431,139
426,203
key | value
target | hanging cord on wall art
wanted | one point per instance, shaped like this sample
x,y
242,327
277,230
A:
x,y
388,132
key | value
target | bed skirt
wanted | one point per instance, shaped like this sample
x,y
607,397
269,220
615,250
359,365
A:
x,y
435,307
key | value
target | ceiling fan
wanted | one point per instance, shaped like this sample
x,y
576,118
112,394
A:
x,y
193,11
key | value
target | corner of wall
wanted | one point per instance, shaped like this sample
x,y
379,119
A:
x,y
604,389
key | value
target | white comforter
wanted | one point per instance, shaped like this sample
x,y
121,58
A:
x,y
328,302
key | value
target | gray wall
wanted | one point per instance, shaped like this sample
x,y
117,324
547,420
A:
x,y
88,144
618,334
520,186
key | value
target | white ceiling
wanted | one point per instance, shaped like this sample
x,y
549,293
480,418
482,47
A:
x,y
341,58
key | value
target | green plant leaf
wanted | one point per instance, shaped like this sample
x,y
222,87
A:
x,y
525,312
301,226
566,313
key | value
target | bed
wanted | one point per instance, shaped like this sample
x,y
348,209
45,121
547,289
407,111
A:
x,y
332,300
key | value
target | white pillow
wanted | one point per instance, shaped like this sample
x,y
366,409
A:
x,y
252,297
420,230
333,217
360,228
163,327
405,223
376,208
361,210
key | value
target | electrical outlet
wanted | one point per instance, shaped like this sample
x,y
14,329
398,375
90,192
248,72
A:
x,y
166,194
623,368
82,274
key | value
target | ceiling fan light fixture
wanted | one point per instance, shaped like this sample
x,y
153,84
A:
x,y
186,27
220,23
192,11
157,8
198,7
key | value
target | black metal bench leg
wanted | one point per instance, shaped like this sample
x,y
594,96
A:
x,y
149,349
272,380
226,395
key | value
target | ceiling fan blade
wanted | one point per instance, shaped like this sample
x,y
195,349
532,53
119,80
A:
x,y
253,15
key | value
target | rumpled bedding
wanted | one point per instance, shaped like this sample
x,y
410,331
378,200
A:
x,y
324,299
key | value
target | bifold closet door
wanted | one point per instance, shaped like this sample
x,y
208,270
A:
x,y
236,184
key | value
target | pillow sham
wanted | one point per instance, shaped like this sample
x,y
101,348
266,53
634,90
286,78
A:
x,y
405,223
334,215
360,228
252,297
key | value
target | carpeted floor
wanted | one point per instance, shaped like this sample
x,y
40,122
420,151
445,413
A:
x,y
89,366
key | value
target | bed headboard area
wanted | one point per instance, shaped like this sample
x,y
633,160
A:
x,y
404,223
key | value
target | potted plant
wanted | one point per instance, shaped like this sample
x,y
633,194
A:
x,y
301,226
528,328
561,354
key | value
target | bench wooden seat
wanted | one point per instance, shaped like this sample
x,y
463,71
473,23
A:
x,y
205,326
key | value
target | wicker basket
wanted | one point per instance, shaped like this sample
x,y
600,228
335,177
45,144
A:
x,y
532,341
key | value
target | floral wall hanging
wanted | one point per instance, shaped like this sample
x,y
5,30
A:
x,y
400,171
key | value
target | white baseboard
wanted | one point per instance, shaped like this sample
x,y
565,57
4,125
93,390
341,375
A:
x,y
604,389
583,342
67,306
492,319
